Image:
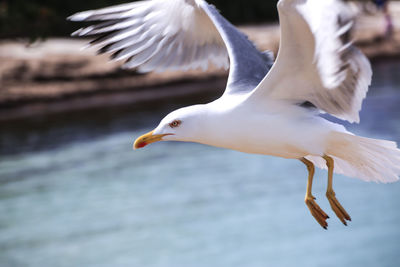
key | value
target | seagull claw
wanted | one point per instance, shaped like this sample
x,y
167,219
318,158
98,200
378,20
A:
x,y
317,212
340,212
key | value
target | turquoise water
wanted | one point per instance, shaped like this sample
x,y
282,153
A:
x,y
73,193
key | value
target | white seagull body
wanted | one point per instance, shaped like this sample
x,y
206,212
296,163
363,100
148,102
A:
x,y
268,107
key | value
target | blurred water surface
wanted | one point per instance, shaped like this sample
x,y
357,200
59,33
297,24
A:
x,y
73,193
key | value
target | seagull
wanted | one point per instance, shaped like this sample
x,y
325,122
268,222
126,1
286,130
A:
x,y
269,107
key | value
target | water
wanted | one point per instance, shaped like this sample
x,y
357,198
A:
x,y
73,193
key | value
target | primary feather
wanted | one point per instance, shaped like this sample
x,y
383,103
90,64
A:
x,y
159,35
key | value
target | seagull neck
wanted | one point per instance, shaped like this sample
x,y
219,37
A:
x,y
216,120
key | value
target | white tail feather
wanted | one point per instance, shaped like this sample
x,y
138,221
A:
x,y
371,160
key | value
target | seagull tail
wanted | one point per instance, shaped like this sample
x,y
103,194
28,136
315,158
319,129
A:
x,y
369,159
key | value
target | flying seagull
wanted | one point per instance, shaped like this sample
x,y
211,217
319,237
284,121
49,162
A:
x,y
269,107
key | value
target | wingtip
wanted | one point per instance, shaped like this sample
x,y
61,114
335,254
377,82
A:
x,y
142,70
76,33
125,66
72,18
80,16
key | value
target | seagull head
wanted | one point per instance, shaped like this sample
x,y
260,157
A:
x,y
180,125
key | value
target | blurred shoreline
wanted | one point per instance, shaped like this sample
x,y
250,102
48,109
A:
x,y
56,76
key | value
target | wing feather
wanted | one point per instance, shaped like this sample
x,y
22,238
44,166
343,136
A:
x,y
175,35
317,62
131,28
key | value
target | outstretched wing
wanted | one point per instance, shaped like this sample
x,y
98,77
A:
x,y
316,62
176,35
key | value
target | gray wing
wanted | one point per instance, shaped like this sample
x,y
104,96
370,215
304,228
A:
x,y
248,65
161,35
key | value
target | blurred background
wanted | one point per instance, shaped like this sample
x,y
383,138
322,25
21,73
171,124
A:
x,y
73,193
21,18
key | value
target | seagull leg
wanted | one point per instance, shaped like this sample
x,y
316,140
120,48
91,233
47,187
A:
x,y
340,212
315,210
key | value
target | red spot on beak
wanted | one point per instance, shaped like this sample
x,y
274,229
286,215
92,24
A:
x,y
142,144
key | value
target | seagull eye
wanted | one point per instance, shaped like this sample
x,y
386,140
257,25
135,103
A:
x,y
175,124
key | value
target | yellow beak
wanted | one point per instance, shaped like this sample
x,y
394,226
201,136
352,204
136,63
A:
x,y
147,139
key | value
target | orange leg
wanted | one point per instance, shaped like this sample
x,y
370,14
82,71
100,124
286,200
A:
x,y
340,212
315,210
